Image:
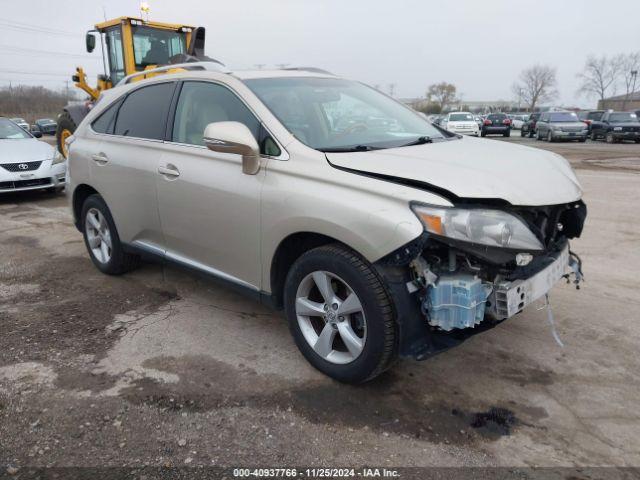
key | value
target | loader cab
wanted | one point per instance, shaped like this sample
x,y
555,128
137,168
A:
x,y
133,45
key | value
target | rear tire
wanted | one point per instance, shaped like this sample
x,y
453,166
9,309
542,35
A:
x,y
102,240
508,134
66,127
313,317
594,137
549,137
523,133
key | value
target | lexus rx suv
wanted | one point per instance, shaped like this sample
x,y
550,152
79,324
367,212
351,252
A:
x,y
378,234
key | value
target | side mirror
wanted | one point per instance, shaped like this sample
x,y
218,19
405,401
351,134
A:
x,y
37,133
234,137
90,40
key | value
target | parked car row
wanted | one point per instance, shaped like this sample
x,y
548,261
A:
x,y
46,126
552,126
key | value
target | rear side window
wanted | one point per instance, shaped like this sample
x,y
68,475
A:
x,y
144,112
107,119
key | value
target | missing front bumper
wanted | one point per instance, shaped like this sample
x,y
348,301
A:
x,y
510,298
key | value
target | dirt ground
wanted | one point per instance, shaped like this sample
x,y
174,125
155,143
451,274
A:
x,y
162,368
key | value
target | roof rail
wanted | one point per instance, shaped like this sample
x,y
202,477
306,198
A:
x,y
309,69
212,66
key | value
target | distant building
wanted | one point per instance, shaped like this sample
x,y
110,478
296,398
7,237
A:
x,y
621,102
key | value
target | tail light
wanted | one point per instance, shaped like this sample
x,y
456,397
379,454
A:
x,y
487,122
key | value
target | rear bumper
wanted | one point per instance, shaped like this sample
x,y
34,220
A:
x,y
490,130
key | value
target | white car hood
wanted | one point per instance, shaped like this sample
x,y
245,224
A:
x,y
24,150
475,169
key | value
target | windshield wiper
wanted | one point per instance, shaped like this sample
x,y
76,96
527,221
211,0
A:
x,y
355,148
418,141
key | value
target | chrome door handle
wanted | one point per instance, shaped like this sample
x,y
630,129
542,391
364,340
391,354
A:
x,y
169,171
99,158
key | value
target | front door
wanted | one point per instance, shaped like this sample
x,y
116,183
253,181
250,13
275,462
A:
x,y
209,209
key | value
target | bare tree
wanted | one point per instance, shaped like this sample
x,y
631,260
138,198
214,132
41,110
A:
x,y
536,84
442,94
599,76
629,66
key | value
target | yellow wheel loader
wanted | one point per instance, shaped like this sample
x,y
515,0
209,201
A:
x,y
131,46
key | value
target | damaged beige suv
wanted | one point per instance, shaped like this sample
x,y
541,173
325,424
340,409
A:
x,y
379,234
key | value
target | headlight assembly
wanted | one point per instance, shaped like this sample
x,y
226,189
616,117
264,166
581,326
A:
x,y
57,158
494,228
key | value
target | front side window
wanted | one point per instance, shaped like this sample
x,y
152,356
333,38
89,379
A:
x,y
11,131
202,103
332,114
152,46
144,112
116,59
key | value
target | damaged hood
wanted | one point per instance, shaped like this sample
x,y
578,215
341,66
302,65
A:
x,y
474,169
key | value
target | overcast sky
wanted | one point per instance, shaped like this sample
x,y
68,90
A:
x,y
479,45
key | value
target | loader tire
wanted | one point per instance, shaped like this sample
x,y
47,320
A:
x,y
66,127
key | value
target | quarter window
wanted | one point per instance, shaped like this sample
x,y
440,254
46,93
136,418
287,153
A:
x,y
106,120
203,103
144,112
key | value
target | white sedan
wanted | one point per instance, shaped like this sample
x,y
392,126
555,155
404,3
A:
x,y
461,122
26,163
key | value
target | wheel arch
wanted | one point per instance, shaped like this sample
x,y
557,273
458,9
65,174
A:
x,y
287,252
80,194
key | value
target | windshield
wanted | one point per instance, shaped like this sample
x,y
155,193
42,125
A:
x,y
9,130
152,46
563,117
336,114
460,117
46,120
623,117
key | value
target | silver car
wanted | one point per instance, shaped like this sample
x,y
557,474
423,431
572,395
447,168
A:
x,y
379,234
27,163
554,126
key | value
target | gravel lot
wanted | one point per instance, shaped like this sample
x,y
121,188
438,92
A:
x,y
162,368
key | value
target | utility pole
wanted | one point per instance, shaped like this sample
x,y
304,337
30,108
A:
x,y
392,89
66,90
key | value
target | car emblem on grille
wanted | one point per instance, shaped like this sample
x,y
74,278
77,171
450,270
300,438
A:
x,y
23,166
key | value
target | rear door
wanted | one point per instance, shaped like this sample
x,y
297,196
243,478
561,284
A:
x,y
124,167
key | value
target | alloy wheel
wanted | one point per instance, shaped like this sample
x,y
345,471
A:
x,y
98,235
331,317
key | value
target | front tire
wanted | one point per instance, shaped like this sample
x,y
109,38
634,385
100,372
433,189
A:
x,y
102,240
609,138
340,314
